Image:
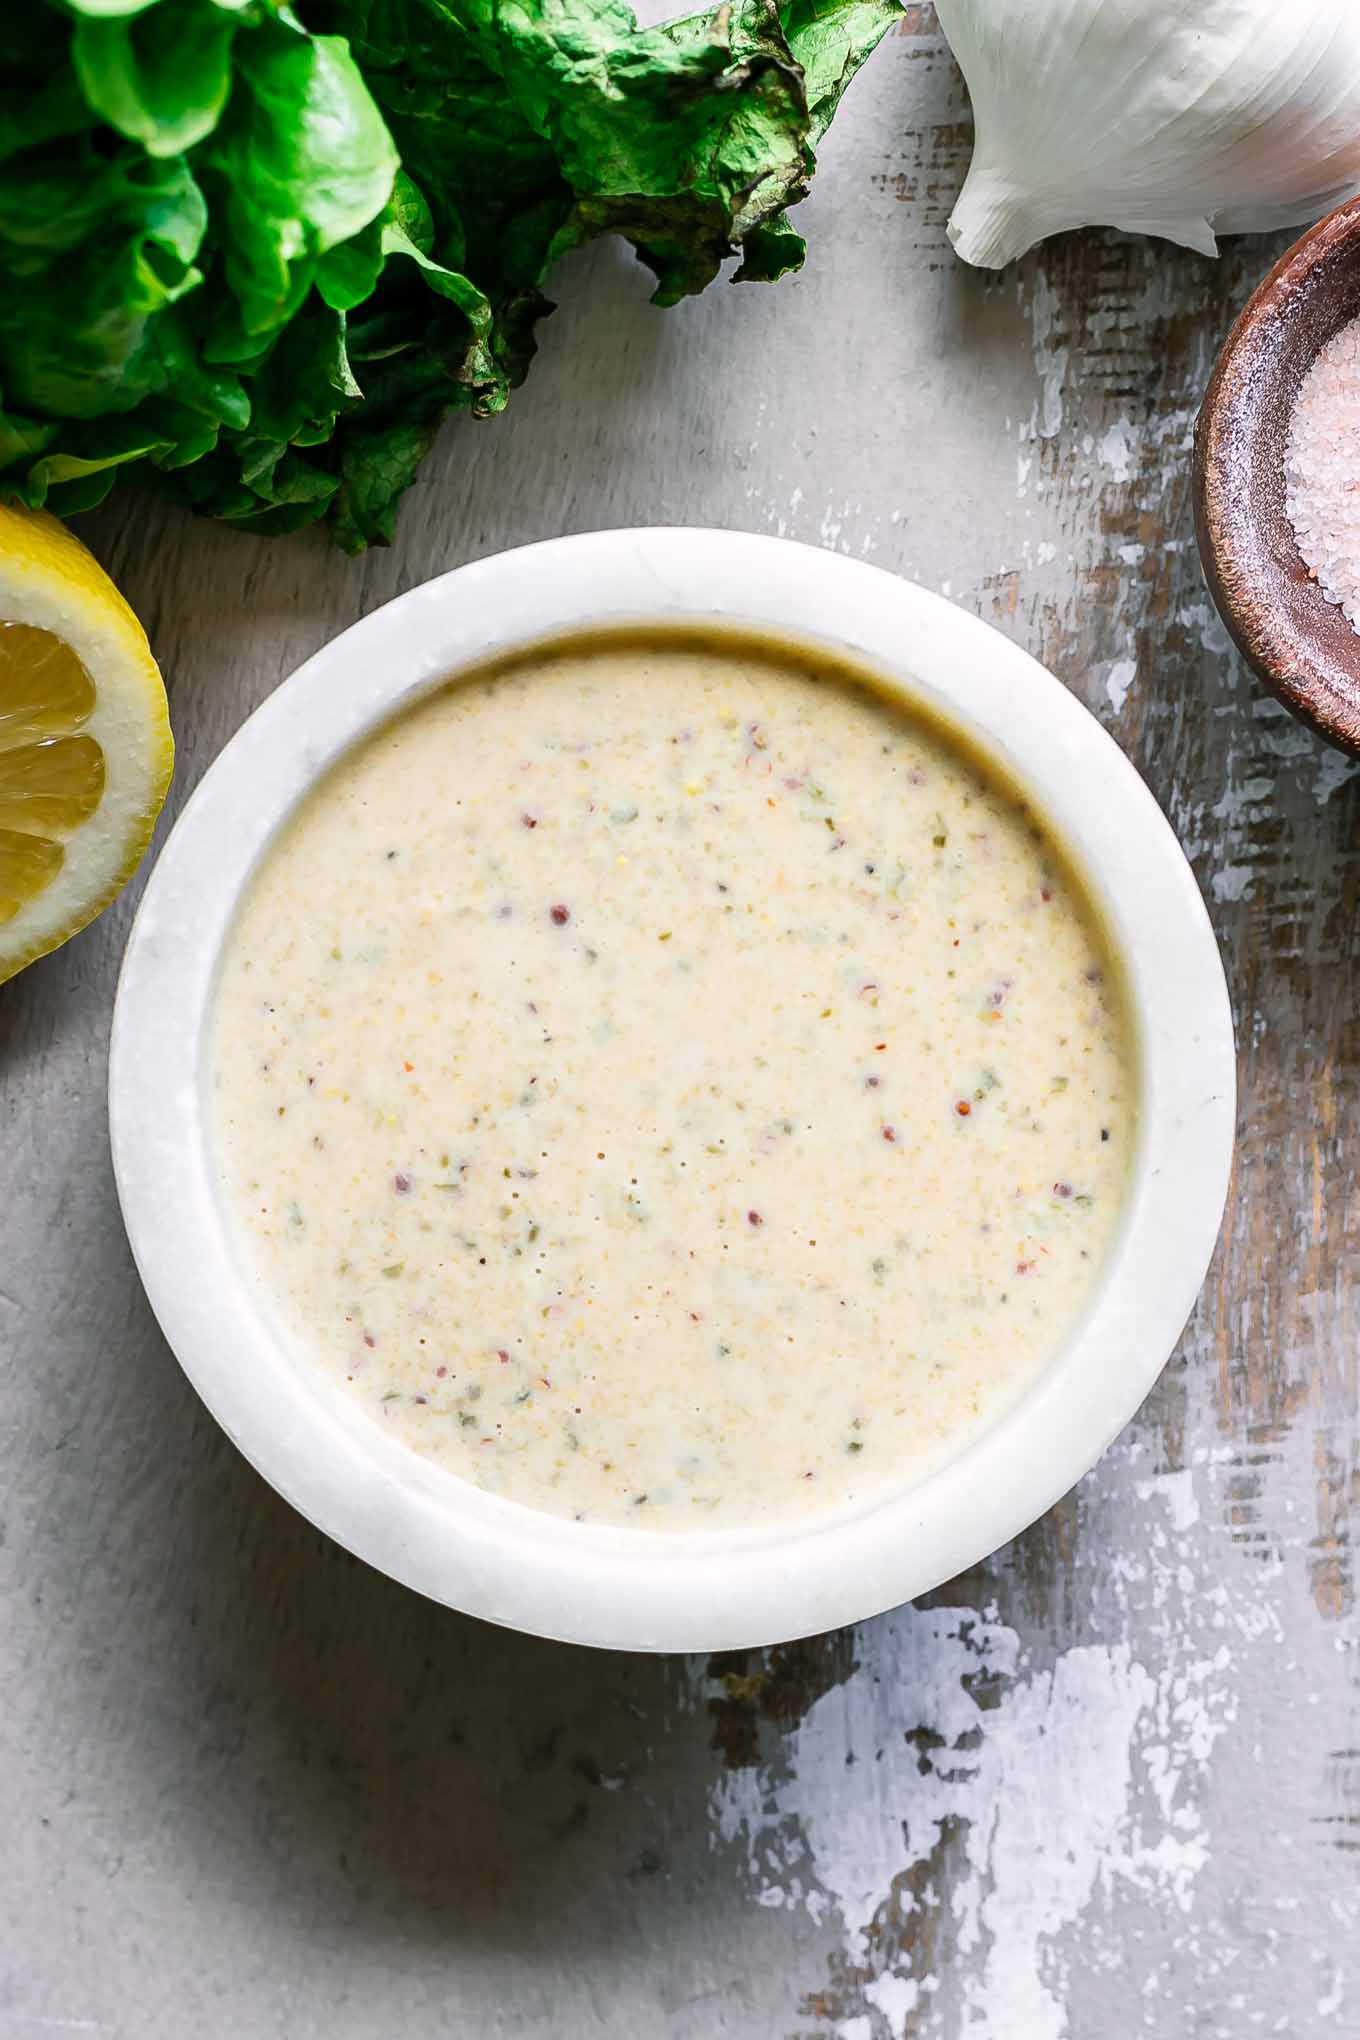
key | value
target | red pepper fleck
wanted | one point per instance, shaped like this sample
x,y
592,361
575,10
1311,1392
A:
x,y
963,1108
1062,1189
1023,1267
544,1381
440,1373
754,1218
559,915
502,1356
1046,892
529,821
369,1339
866,991
871,1083
890,1133
408,1066
421,1398
401,1184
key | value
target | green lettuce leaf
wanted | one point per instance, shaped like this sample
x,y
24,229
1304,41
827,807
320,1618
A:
x,y
161,80
252,255
95,248
305,162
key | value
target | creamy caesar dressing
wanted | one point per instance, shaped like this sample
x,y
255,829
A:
x,y
669,1082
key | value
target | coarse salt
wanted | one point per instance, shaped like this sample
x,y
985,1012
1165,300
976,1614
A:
x,y
1322,471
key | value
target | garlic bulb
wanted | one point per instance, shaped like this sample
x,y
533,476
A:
x,y
1185,118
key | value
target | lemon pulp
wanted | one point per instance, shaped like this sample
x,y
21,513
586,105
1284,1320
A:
x,y
85,749
51,769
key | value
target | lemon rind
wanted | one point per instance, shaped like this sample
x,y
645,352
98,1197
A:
x,y
49,579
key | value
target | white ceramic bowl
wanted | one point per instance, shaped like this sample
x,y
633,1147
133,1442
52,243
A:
x,y
634,1589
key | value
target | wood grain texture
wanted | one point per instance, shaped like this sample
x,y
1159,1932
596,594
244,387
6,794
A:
x,y
1109,1782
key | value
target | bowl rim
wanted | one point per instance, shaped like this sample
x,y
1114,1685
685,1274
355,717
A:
x,y
639,1590
1303,648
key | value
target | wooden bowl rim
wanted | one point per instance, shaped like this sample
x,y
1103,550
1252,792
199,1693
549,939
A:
x,y
1300,644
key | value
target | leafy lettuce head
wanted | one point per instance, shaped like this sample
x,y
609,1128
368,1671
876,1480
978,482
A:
x,y
252,255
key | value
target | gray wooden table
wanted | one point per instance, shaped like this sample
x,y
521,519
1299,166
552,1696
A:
x,y
1106,1784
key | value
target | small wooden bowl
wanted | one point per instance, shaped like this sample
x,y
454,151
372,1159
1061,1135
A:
x,y
1300,644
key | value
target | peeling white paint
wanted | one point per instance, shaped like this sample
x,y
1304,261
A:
x,y
1079,1778
1230,883
897,1998
1073,1782
1203,621
1177,1490
1050,359
1333,771
1118,681
1238,802
1117,451
1020,1806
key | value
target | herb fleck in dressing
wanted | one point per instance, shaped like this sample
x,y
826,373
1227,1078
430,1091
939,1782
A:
x,y
672,1086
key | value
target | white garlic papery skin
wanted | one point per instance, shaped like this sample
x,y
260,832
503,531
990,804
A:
x,y
1184,118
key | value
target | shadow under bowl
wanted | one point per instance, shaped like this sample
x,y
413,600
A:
x,y
1300,644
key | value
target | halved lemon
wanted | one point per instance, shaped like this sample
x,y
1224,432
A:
x,y
85,747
